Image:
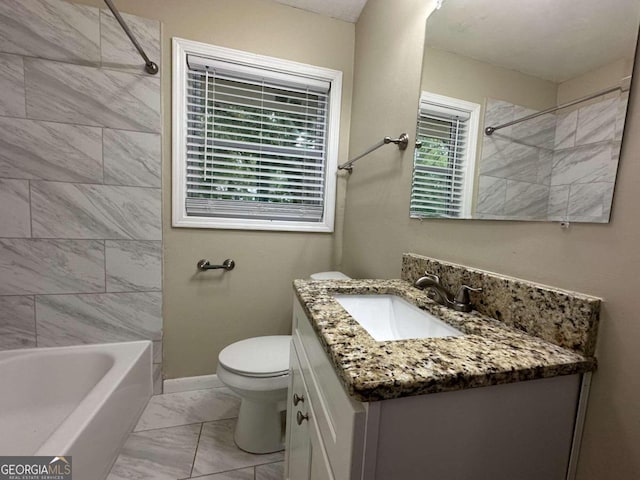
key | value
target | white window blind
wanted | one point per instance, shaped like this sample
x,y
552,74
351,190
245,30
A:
x,y
256,143
442,166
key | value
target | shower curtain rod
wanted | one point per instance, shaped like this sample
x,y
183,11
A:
x,y
490,130
149,66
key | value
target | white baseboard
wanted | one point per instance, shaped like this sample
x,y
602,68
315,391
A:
x,y
186,384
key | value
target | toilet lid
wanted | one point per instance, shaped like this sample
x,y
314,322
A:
x,y
258,357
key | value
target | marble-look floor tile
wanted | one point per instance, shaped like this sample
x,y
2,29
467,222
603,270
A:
x,y
597,122
565,134
15,216
272,471
118,51
526,199
50,151
164,454
217,451
98,318
132,158
12,99
92,96
241,474
51,266
52,29
587,164
64,210
491,195
182,408
17,322
133,265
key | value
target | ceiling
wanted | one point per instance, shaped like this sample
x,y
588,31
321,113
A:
x,y
347,10
551,39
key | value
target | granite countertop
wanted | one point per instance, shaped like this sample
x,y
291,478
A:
x,y
489,352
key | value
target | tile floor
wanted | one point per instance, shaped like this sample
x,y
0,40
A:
x,y
190,435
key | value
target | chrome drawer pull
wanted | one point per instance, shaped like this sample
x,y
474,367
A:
x,y
297,399
301,418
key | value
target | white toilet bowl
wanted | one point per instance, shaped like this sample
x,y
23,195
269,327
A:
x,y
257,369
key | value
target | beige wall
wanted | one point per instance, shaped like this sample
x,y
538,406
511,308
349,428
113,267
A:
x,y
462,77
602,260
205,312
599,79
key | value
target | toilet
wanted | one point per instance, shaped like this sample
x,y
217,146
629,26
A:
x,y
257,370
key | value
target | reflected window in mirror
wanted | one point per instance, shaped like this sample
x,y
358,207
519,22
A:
x,y
444,163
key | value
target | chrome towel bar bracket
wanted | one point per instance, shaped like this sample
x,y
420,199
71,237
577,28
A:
x,y
204,265
402,141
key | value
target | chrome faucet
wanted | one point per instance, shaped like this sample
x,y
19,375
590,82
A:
x,y
436,292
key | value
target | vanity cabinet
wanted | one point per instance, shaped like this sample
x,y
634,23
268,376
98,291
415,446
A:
x,y
520,430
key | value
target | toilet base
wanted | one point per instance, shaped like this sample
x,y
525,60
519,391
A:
x,y
259,427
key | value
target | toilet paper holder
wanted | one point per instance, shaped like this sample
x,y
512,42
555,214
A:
x,y
204,265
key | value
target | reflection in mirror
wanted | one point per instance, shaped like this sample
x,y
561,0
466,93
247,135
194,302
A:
x,y
487,64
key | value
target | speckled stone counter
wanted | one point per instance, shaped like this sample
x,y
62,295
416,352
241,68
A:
x,y
489,352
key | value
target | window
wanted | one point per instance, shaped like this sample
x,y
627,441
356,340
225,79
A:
x,y
443,171
255,140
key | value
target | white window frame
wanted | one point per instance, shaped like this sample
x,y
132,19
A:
x,y
182,48
429,98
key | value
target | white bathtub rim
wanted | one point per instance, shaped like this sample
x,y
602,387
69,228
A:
x,y
65,435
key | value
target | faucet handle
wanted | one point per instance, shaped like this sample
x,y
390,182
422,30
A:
x,y
432,276
462,297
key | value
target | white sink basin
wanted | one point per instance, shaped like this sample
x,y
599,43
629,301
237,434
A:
x,y
389,317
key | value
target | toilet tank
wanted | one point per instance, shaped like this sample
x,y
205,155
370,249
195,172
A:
x,y
329,276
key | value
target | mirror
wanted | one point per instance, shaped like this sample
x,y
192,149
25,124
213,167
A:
x,y
488,63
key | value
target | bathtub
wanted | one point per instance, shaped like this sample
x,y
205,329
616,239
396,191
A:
x,y
80,401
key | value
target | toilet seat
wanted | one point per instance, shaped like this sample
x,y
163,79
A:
x,y
258,357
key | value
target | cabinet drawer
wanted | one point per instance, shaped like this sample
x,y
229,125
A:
x,y
340,419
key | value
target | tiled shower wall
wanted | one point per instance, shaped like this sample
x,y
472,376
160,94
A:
x,y
554,167
80,168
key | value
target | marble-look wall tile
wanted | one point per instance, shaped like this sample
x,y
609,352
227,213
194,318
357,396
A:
x,y
98,318
597,122
118,51
91,96
15,216
545,167
17,322
491,195
526,200
583,165
506,159
621,115
565,135
558,202
52,29
133,265
12,100
537,132
64,210
51,266
498,112
591,200
157,379
50,151
157,351
132,158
